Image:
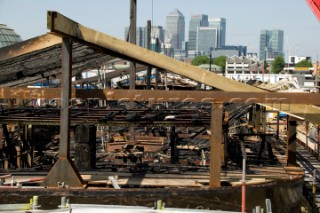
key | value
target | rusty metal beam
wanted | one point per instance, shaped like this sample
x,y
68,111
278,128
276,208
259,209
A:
x,y
29,46
291,141
216,139
282,100
64,169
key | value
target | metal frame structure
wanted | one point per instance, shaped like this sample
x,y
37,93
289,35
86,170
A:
x,y
232,91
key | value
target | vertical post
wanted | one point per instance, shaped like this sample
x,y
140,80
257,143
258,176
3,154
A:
x,y
314,191
64,169
133,34
243,197
215,144
225,139
65,97
278,125
173,145
318,129
291,141
307,133
149,47
257,118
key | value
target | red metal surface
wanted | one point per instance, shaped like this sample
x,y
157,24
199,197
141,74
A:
x,y
315,6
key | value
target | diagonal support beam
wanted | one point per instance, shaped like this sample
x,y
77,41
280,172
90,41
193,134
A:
x,y
64,26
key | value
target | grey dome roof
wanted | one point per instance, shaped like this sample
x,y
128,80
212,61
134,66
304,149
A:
x,y
8,36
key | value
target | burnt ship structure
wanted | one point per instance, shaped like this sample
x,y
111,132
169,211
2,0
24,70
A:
x,y
147,139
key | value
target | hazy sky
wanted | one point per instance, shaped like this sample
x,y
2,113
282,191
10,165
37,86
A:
x,y
245,18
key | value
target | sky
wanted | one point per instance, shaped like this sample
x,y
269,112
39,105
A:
x,y
245,18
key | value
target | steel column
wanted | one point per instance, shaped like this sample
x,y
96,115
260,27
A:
x,y
133,31
148,82
291,141
215,145
64,170
257,119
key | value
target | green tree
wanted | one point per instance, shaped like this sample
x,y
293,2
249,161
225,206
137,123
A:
x,y
304,63
278,64
221,62
201,59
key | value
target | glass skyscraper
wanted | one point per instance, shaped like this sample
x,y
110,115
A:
x,y
195,22
175,28
221,25
142,33
271,44
206,40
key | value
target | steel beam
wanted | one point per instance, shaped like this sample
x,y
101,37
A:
x,y
275,99
216,139
64,170
291,141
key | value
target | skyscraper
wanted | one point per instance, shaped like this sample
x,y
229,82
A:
x,y
140,36
175,28
271,44
221,25
206,40
142,33
195,22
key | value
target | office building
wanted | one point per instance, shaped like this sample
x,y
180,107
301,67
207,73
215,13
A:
x,y
175,28
206,40
195,22
220,24
229,51
271,44
142,34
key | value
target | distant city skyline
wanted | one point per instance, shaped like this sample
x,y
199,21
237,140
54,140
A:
x,y
245,18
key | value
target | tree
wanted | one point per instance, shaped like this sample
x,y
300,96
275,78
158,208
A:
x,y
278,64
304,63
221,62
201,59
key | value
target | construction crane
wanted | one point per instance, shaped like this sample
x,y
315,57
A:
x,y
315,6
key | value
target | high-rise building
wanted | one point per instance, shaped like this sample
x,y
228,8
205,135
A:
x,y
271,44
157,32
221,25
206,40
142,34
195,22
175,28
